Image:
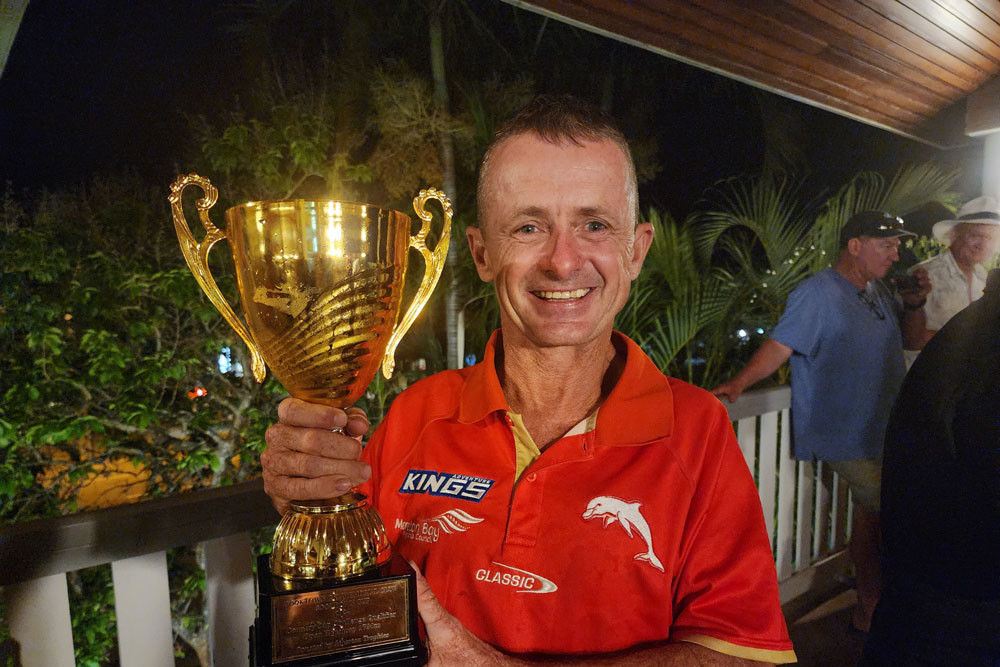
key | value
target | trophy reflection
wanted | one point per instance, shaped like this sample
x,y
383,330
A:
x,y
320,285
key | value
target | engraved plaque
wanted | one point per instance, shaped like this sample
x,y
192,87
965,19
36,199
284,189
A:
x,y
365,621
339,619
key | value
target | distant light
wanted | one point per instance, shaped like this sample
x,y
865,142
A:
x,y
197,392
742,334
225,361
760,331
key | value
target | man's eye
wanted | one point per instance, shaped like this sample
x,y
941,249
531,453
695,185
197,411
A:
x,y
596,226
527,229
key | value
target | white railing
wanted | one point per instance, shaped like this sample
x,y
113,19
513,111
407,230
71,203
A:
x,y
806,507
806,522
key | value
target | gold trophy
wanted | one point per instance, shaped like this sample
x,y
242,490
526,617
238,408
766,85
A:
x,y
321,286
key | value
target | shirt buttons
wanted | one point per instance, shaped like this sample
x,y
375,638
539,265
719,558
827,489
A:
x,y
531,477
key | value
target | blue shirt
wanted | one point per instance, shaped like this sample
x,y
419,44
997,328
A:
x,y
847,366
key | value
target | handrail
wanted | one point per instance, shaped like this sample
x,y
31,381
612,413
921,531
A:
x,y
63,544
758,402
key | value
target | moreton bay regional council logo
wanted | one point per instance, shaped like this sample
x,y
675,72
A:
x,y
429,530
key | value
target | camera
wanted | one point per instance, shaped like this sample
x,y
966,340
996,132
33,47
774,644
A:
x,y
906,283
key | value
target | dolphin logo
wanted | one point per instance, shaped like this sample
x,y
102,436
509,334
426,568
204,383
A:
x,y
627,514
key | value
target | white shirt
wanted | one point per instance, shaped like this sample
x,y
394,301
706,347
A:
x,y
950,291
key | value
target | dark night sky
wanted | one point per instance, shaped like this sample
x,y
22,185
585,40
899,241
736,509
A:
x,y
101,85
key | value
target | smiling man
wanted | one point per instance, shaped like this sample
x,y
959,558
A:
x,y
565,501
845,335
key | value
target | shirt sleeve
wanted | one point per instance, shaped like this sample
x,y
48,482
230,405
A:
x,y
727,590
801,324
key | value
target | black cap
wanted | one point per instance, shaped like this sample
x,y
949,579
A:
x,y
876,224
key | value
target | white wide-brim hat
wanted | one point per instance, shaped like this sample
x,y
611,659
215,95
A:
x,y
979,211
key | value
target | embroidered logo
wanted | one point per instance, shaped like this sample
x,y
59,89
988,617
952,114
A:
x,y
429,530
522,580
447,484
629,517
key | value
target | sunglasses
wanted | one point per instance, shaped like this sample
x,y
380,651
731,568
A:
x,y
872,306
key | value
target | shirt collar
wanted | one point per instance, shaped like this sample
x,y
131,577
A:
x,y
639,409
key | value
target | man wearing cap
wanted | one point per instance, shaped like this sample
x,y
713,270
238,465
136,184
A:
x,y
957,275
844,333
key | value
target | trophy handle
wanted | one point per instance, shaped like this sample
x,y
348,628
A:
x,y
433,265
196,255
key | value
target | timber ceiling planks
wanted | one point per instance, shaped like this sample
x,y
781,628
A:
x,y
900,64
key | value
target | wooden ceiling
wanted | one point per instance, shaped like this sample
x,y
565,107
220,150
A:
x,y
904,65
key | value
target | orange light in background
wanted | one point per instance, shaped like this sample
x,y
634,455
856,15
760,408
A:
x,y
197,392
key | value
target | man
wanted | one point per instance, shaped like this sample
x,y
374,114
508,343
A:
x,y
941,501
841,329
957,275
562,497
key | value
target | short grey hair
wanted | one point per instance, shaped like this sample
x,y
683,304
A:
x,y
559,118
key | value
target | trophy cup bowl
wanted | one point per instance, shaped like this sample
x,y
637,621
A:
x,y
320,284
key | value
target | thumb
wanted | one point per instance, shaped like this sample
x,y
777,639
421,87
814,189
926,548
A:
x,y
436,618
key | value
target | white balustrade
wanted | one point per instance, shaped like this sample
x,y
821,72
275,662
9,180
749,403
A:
x,y
807,524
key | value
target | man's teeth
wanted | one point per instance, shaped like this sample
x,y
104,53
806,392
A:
x,y
574,294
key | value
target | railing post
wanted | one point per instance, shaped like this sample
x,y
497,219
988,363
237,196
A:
x,y
785,538
38,615
142,605
229,594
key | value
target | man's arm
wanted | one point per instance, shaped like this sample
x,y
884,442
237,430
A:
x,y
451,645
914,322
767,359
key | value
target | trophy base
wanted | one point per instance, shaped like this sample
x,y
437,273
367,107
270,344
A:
x,y
364,621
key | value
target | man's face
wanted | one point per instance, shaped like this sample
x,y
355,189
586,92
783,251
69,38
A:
x,y
558,239
973,244
876,256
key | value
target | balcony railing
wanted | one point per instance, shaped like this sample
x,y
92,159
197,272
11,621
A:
x,y
806,522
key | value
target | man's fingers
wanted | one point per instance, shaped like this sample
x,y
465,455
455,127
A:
x,y
315,441
283,488
289,463
295,412
357,422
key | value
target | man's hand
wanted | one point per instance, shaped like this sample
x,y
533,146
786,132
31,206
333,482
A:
x,y
917,296
730,390
448,642
312,452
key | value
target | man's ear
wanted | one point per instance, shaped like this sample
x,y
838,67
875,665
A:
x,y
640,246
477,246
854,246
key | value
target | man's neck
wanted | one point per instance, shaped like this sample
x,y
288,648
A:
x,y
849,269
967,268
553,389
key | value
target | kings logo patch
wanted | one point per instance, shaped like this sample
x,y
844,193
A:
x,y
448,484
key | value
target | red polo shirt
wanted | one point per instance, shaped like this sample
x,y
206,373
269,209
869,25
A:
x,y
646,528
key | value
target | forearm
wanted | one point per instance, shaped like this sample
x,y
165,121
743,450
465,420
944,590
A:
x,y
915,331
681,654
765,361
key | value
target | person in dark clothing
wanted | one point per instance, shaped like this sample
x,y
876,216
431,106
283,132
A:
x,y
941,501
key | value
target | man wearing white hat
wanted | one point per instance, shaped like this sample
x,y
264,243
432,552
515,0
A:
x,y
957,275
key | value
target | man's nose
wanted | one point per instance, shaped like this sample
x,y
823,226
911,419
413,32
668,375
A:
x,y
563,256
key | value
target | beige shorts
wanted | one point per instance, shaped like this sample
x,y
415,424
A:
x,y
863,477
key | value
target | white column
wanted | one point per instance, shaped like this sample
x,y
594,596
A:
x,y
991,165
229,593
38,616
142,606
